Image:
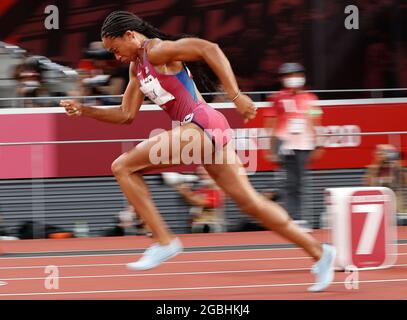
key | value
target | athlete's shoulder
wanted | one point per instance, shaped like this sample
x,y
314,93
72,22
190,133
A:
x,y
156,49
153,43
157,46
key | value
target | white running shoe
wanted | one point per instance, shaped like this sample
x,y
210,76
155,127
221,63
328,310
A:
x,y
151,249
324,269
156,254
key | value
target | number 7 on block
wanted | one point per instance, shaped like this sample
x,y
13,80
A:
x,y
370,231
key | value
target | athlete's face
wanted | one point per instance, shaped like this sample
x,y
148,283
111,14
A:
x,y
125,48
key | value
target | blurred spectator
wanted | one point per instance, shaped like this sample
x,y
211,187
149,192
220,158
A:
x,y
386,171
295,29
292,119
107,75
84,89
207,200
38,77
30,84
128,223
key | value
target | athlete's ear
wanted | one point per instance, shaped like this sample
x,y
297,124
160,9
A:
x,y
129,34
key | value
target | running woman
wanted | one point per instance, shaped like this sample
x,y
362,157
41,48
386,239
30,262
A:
x,y
158,70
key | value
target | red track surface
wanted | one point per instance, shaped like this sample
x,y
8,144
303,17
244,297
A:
x,y
238,274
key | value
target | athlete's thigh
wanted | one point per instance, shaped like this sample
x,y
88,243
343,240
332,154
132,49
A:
x,y
181,145
231,176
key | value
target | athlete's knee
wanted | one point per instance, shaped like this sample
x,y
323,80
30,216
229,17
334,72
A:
x,y
119,167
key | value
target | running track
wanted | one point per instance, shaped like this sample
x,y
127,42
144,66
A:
x,y
228,266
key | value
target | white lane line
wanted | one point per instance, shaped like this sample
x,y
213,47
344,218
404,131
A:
x,y
111,252
137,254
2,283
191,288
191,273
167,262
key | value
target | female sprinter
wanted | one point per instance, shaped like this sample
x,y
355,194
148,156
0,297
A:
x,y
157,70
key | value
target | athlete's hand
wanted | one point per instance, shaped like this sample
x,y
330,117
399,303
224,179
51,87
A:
x,y
72,107
245,106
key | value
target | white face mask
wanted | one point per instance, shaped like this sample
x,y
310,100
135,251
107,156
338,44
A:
x,y
294,82
31,84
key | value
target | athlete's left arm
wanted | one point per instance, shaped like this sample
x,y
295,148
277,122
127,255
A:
x,y
194,49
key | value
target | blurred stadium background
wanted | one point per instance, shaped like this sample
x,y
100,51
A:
x,y
61,186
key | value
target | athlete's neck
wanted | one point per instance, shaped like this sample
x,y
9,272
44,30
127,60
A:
x,y
140,50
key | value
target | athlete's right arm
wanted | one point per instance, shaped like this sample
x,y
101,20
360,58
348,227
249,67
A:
x,y
131,103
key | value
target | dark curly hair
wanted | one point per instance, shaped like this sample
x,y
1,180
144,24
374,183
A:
x,y
118,22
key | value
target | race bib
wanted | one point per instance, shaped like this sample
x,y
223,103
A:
x,y
152,88
296,126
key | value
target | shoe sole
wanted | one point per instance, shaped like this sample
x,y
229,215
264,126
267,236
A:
x,y
156,265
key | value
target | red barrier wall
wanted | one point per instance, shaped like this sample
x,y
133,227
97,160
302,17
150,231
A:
x,y
95,159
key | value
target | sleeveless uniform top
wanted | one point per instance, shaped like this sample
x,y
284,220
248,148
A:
x,y
176,94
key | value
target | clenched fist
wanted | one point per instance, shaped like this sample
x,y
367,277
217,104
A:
x,y
72,107
245,106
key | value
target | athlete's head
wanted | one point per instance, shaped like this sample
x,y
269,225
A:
x,y
292,75
123,33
